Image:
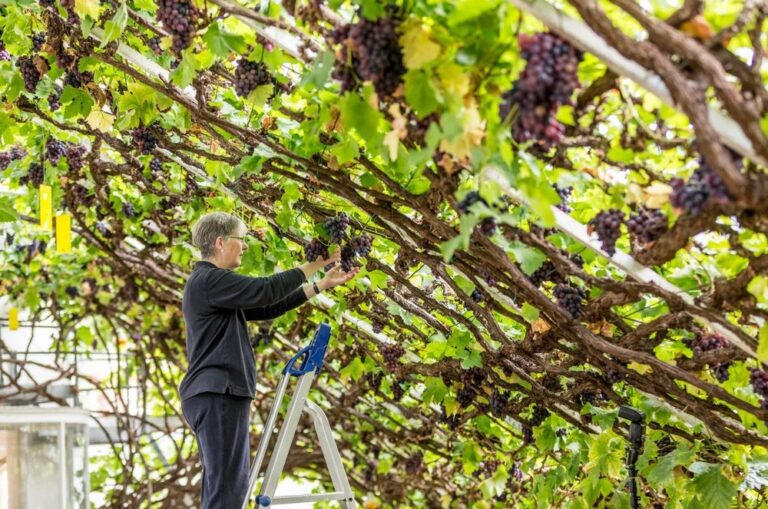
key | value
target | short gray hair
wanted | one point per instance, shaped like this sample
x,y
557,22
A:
x,y
211,226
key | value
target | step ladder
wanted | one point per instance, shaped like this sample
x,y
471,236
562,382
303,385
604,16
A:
x,y
312,357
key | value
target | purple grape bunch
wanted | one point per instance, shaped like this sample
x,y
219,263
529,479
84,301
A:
x,y
703,188
250,75
392,354
570,298
180,18
647,225
607,225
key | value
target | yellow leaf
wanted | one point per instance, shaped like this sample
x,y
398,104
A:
x,y
418,47
90,8
643,369
472,134
539,326
100,120
454,79
699,28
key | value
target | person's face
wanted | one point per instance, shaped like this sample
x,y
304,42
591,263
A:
x,y
232,249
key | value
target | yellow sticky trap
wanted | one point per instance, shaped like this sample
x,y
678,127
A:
x,y
46,207
13,318
64,233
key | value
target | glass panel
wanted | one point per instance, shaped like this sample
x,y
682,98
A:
x,y
40,469
77,457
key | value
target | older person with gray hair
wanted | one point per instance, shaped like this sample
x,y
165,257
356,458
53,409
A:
x,y
220,382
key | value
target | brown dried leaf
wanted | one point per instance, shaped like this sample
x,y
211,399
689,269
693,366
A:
x,y
539,326
699,28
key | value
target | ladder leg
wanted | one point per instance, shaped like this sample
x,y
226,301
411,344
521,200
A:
x,y
331,454
266,434
286,435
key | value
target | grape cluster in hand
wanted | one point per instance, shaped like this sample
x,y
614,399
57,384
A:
x,y
546,83
347,257
607,225
316,249
337,227
179,17
647,225
570,298
371,51
250,75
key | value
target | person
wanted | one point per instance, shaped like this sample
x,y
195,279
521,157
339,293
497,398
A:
x,y
220,382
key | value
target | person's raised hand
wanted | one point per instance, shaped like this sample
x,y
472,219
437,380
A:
x,y
336,277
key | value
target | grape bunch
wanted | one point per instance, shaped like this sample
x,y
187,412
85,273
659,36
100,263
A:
x,y
128,210
54,98
499,401
398,390
527,434
347,257
490,466
477,296
706,342
54,150
570,298
154,45
391,354
565,194
75,78
488,226
35,175
144,139
361,244
179,17
546,83
607,225
8,156
759,380
29,72
704,187
465,396
540,414
377,325
75,155
315,249
156,166
546,272
80,196
337,227
473,377
250,75
4,55
370,51
38,39
647,225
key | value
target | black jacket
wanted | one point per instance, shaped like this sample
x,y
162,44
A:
x,y
216,304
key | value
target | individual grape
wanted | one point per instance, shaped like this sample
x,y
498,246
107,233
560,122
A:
x,y
38,39
607,225
392,354
54,99
371,51
128,210
75,155
759,380
647,225
499,401
465,396
347,257
540,414
54,150
361,244
337,227
316,249
29,72
8,156
570,298
546,83
179,17
250,75
35,175
144,139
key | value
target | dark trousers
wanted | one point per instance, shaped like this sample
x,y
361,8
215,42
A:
x,y
220,423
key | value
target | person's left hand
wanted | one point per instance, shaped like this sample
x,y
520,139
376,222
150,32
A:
x,y
336,277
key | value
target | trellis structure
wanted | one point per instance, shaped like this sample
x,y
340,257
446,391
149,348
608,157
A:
x,y
479,369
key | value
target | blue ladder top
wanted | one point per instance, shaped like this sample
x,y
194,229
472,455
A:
x,y
313,354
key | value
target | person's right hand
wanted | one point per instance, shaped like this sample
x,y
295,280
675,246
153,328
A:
x,y
336,277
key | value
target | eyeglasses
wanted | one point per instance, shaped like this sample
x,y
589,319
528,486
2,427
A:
x,y
242,239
